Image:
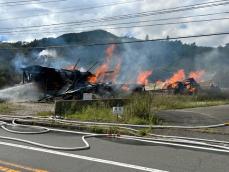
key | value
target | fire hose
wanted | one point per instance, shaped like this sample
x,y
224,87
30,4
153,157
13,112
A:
x,y
122,125
174,141
145,126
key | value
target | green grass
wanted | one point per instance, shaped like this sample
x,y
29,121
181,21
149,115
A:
x,y
94,113
166,102
6,108
44,113
135,112
141,108
104,114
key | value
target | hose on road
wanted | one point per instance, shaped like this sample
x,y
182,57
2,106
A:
x,y
42,131
175,141
144,126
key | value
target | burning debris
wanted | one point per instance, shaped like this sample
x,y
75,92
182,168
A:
x,y
71,82
179,84
58,83
188,86
111,78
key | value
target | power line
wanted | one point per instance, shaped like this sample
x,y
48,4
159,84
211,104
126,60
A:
x,y
162,19
135,26
136,15
15,2
172,23
73,10
163,10
88,8
144,21
122,42
159,24
18,3
146,14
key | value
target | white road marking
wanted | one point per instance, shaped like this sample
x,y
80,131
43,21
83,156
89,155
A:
x,y
120,164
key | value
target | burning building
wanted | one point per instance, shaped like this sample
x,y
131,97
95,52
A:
x,y
71,84
56,82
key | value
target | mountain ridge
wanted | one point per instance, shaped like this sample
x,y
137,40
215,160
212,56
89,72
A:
x,y
163,57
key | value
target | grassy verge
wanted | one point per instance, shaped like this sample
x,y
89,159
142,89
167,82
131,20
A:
x,y
137,111
44,113
141,108
166,102
6,108
104,114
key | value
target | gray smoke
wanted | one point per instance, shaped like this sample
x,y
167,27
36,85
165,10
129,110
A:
x,y
163,58
134,59
48,58
215,63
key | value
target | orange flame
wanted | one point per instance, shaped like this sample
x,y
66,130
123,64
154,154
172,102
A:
x,y
181,76
92,79
116,72
101,71
110,50
178,76
197,75
143,77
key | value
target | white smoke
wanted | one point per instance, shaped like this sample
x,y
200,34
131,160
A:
x,y
21,93
47,58
82,69
20,62
51,58
49,53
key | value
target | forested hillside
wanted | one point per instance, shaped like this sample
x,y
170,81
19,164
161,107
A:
x,y
162,57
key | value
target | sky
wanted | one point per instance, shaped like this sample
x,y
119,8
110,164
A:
x,y
16,19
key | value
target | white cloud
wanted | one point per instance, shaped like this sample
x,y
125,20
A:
x,y
145,5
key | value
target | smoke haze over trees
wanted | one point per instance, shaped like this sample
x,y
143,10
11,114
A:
x,y
162,57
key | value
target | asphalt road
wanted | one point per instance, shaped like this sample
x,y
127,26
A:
x,y
196,116
112,155
106,154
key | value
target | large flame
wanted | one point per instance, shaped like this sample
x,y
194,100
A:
x,y
143,77
178,76
115,73
102,74
197,75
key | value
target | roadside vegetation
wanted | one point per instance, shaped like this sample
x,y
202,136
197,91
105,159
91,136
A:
x,y
166,102
142,108
6,107
45,113
140,115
